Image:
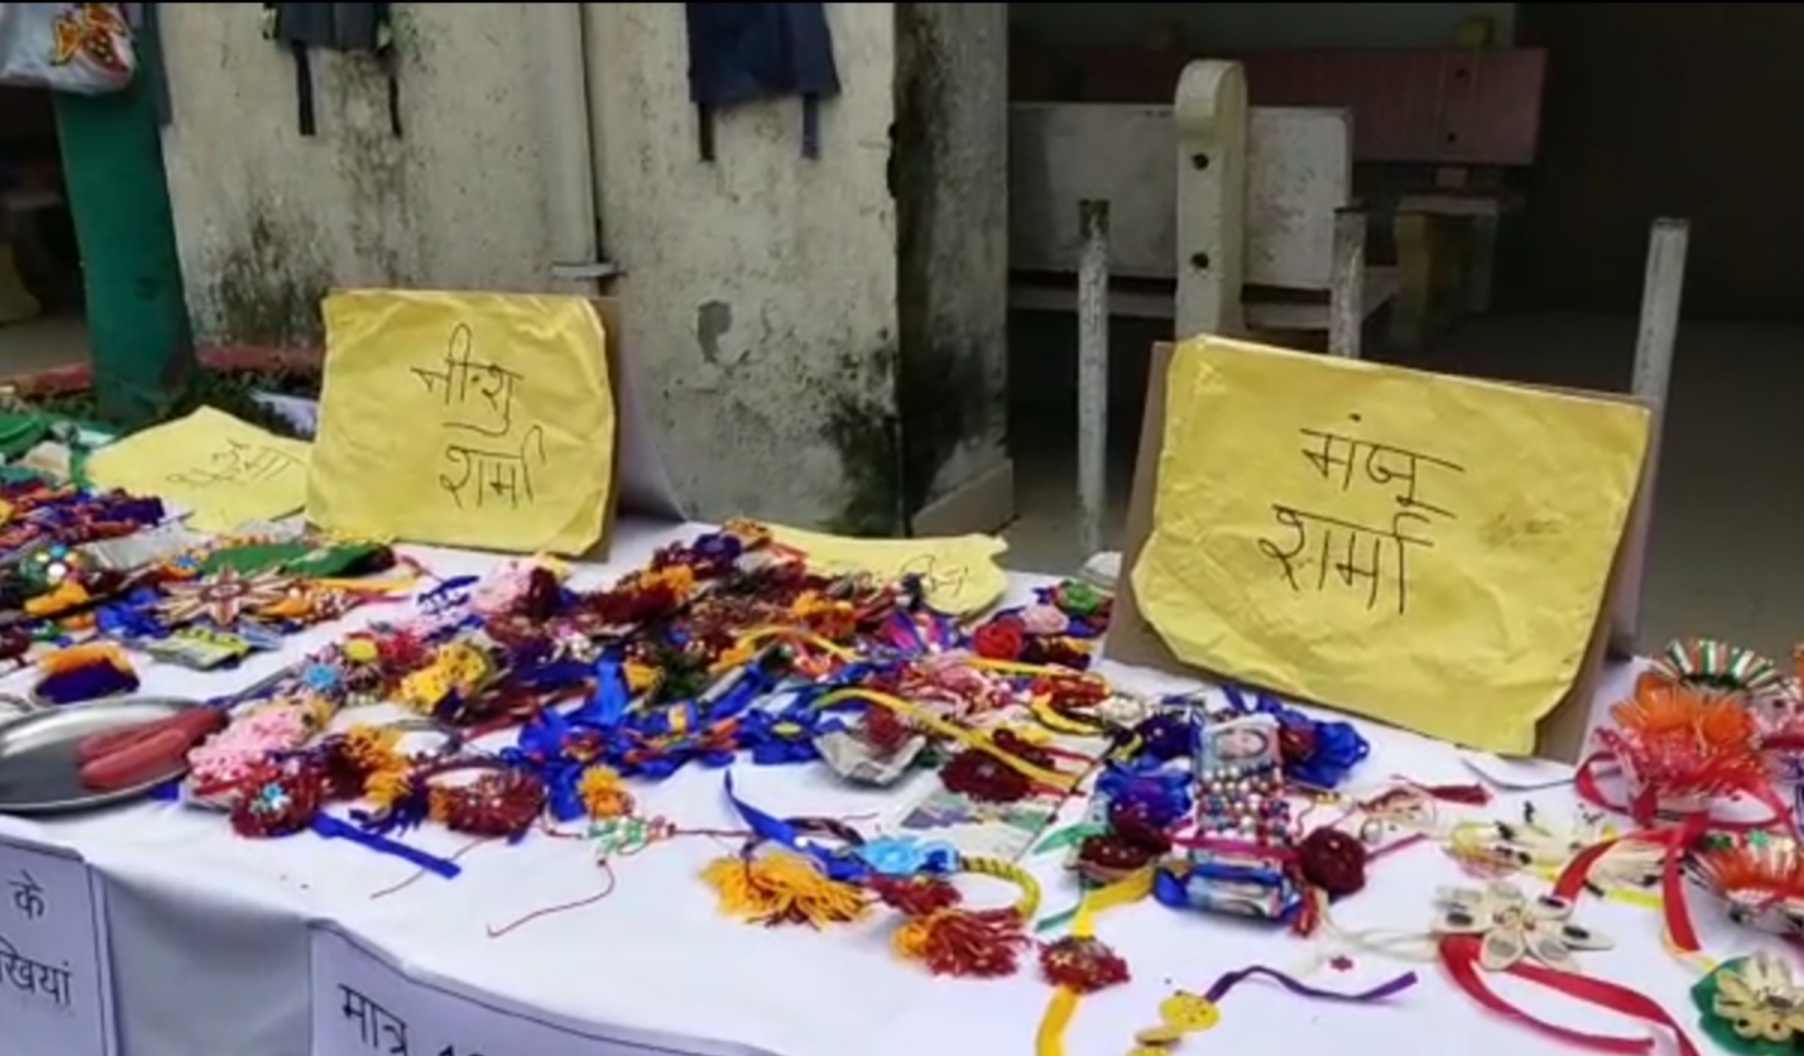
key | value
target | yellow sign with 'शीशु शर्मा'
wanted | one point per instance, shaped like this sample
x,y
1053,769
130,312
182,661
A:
x,y
481,420
1429,551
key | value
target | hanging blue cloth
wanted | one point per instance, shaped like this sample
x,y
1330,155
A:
x,y
741,52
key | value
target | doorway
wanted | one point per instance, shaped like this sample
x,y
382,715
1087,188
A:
x,y
42,314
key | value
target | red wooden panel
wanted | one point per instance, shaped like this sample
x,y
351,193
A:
x,y
1426,106
1448,107
1133,75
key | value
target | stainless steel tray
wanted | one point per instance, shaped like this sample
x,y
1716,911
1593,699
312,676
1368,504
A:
x,y
38,769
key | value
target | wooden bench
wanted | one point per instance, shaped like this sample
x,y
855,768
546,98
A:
x,y
1435,132
1297,178
1465,115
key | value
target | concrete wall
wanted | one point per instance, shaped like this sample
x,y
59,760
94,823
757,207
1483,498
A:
x,y
268,219
759,289
952,197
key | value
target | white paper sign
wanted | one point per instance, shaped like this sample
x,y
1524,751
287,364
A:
x,y
55,993
363,1005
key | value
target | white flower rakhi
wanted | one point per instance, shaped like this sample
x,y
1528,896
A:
x,y
1499,928
1511,926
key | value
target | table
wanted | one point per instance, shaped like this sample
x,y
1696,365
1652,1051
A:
x,y
210,932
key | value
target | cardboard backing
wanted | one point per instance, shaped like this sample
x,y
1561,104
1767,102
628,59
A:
x,y
1132,640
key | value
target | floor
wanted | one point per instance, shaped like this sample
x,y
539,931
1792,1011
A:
x,y
44,343
1727,557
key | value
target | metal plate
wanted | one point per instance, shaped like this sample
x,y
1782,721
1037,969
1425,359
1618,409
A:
x,y
38,769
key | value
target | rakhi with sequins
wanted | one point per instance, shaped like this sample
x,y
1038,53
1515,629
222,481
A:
x,y
1684,753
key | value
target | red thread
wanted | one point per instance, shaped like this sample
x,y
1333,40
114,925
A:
x,y
496,933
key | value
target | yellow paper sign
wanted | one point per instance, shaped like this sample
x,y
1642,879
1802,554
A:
x,y
960,573
466,419
223,470
1429,551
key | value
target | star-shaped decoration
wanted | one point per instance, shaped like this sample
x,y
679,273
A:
x,y
1513,927
223,597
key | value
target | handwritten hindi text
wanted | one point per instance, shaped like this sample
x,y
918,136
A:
x,y
239,463
1372,558
495,467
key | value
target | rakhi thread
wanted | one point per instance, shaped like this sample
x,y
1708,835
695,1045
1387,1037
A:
x,y
562,907
418,874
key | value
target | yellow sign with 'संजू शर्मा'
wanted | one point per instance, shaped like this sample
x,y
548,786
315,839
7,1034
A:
x,y
1425,550
481,420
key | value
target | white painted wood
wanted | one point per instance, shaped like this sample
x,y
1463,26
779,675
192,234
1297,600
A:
x,y
1092,371
1346,294
1063,153
1123,304
1210,113
1298,172
1276,316
1662,292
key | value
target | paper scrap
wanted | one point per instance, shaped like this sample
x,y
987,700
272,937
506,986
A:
x,y
224,471
960,572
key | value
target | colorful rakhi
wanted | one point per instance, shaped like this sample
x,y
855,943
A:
x,y
940,932
1752,1006
1500,929
1718,667
1185,1012
1758,877
1682,753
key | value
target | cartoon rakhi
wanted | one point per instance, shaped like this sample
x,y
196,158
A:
x,y
1683,753
1501,929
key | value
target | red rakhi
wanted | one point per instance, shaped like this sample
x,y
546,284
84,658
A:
x,y
1459,953
1674,837
1500,929
1685,751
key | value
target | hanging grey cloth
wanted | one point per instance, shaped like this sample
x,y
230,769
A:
x,y
351,28
740,52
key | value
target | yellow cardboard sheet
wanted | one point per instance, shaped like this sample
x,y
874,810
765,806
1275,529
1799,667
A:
x,y
481,420
960,572
225,471
1429,551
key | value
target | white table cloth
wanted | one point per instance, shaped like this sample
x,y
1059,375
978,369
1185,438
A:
x,y
210,949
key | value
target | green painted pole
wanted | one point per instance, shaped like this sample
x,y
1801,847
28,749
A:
x,y
141,347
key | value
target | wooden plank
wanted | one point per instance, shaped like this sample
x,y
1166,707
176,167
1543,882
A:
x,y
1452,106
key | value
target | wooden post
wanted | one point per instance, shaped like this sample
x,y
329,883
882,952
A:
x,y
1210,115
1347,284
1092,371
1662,290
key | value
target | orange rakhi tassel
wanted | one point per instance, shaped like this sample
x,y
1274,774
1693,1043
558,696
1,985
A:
x,y
782,888
952,940
982,944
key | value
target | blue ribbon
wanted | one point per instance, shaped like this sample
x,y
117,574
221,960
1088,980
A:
x,y
336,829
768,827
